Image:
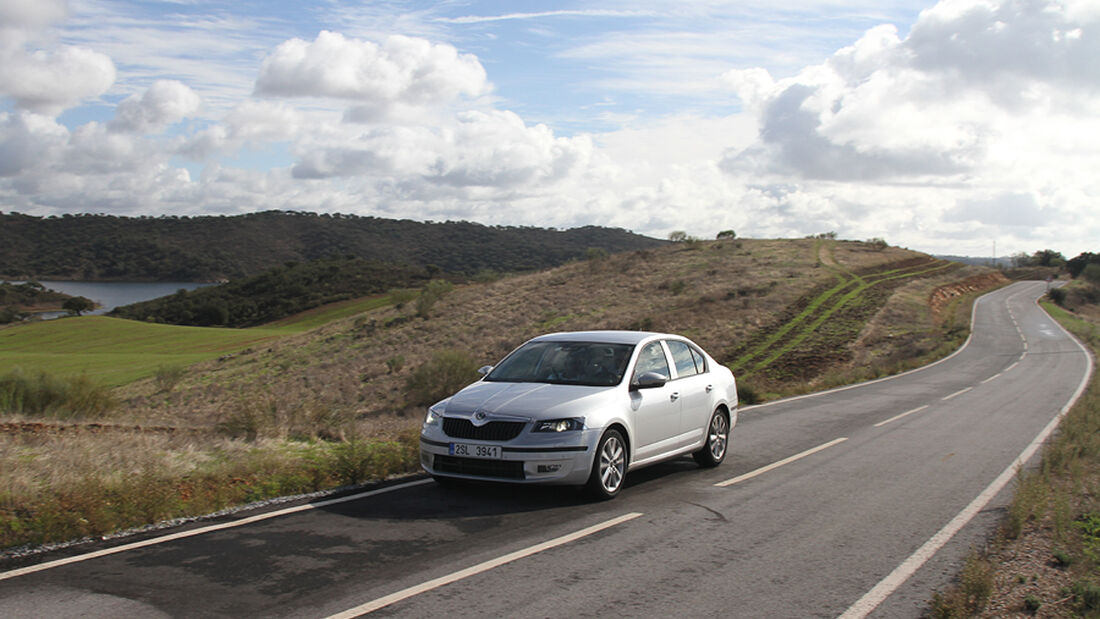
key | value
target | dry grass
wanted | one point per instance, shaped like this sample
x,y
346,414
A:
x,y
716,293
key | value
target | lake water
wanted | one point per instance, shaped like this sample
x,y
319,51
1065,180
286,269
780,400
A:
x,y
113,294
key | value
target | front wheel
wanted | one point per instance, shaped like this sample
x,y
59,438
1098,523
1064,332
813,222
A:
x,y
608,466
718,438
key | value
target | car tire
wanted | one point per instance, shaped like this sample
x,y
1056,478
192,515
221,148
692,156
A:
x,y
608,466
717,441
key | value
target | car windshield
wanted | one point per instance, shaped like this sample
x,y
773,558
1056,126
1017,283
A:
x,y
564,363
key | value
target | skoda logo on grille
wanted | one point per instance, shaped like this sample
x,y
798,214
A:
x,y
479,418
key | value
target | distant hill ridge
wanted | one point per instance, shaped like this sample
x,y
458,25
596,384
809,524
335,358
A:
x,y
207,248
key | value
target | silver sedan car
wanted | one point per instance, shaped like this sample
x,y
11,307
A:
x,y
583,408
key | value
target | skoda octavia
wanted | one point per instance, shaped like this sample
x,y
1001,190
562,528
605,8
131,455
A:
x,y
583,408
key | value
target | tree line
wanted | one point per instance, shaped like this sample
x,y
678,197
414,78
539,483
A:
x,y
276,293
214,248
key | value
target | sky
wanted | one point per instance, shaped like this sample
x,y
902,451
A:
x,y
967,127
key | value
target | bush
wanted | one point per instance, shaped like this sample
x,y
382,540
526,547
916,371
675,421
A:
x,y
44,394
433,292
1091,274
1088,596
446,372
746,394
167,377
1057,295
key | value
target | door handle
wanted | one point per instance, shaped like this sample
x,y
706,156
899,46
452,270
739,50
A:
x,y
674,396
710,388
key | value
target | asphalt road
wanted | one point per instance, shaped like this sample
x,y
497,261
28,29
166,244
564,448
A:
x,y
824,497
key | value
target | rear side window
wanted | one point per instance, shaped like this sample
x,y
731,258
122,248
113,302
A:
x,y
684,358
700,360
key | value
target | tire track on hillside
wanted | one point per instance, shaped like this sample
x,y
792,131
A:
x,y
819,308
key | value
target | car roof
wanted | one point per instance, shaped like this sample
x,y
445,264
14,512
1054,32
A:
x,y
602,337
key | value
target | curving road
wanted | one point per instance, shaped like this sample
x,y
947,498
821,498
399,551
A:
x,y
858,502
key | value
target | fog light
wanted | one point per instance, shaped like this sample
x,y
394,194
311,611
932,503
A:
x,y
549,468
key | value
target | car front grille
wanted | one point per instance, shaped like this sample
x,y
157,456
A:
x,y
500,469
492,431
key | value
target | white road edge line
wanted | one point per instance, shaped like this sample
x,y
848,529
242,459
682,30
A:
x,y
392,598
896,417
955,395
775,465
992,378
886,587
30,569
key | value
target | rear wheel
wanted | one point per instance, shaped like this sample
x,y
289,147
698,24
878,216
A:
x,y
608,466
718,437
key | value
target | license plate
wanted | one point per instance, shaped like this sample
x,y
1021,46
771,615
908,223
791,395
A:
x,y
467,450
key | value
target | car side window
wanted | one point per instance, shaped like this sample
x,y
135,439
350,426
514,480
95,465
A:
x,y
652,359
683,358
700,360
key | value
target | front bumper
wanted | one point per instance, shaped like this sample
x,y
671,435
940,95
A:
x,y
529,458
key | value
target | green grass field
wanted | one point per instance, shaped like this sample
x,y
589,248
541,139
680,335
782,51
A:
x,y
114,351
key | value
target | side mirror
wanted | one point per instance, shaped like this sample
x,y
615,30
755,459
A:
x,y
485,369
649,380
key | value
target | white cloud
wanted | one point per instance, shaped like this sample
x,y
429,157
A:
x,y
27,140
164,103
49,81
402,70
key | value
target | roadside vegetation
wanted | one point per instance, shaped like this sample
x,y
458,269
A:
x,y
204,418
1045,559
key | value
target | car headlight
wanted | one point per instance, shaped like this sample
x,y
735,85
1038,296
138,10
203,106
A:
x,y
435,413
559,425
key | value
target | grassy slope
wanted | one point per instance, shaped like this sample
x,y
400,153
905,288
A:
x,y
116,351
716,293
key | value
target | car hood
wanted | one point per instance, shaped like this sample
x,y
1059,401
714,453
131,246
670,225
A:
x,y
527,400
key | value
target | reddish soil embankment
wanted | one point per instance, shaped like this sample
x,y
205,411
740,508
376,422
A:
x,y
942,296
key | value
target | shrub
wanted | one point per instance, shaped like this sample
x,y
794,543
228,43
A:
x,y
48,395
167,377
1057,295
1087,595
400,296
967,597
446,372
747,394
1091,274
595,253
394,364
433,292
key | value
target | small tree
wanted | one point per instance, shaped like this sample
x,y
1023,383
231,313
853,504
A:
x,y
434,291
1091,274
727,234
677,236
1048,258
78,305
